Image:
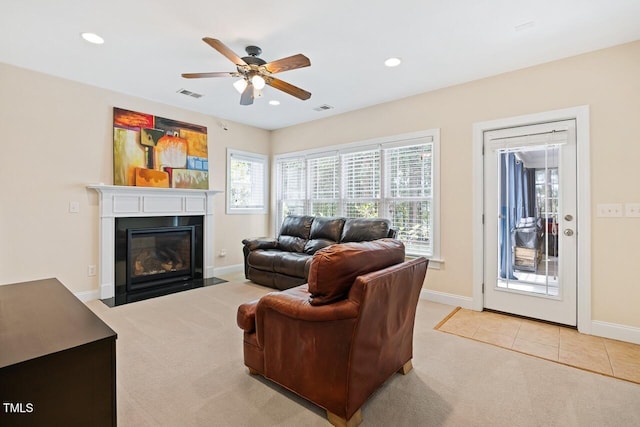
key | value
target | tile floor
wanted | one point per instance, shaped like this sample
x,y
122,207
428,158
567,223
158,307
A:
x,y
557,343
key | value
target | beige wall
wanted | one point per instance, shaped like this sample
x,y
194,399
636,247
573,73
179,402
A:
x,y
608,81
57,137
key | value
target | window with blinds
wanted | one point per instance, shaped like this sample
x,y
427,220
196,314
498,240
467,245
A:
x,y
291,191
409,179
392,179
361,180
324,193
246,182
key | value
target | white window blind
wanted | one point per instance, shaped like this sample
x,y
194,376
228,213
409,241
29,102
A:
x,y
409,178
291,191
324,188
246,182
394,179
361,181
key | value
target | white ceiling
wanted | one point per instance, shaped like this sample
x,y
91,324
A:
x,y
149,43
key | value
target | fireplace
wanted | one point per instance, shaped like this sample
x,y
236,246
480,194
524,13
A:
x,y
155,253
150,208
157,256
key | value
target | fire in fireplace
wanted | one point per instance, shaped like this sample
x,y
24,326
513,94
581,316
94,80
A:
x,y
157,256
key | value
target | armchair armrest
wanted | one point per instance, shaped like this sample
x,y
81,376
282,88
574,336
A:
x,y
246,316
260,243
293,305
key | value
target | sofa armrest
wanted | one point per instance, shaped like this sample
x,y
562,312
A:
x,y
260,243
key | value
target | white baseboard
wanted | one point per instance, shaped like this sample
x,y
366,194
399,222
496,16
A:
x,y
449,299
615,331
228,269
87,295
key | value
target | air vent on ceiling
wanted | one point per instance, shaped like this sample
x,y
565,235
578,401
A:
x,y
323,107
189,93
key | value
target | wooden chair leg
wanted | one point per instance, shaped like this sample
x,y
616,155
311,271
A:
x,y
406,368
338,421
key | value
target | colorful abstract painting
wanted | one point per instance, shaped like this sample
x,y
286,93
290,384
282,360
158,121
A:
x,y
151,151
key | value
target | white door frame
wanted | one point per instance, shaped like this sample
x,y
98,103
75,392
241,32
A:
x,y
583,227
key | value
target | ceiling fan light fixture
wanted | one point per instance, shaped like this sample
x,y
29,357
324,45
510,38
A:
x,y
258,82
240,85
392,62
92,38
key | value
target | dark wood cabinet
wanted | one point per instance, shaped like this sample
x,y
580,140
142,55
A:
x,y
57,359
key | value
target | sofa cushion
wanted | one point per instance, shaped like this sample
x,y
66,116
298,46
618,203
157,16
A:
x,y
364,229
329,228
325,231
334,269
314,245
263,259
294,233
291,264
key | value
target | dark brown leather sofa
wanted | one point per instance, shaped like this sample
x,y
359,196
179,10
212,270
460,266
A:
x,y
337,339
283,262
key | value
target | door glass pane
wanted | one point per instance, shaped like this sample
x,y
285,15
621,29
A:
x,y
529,202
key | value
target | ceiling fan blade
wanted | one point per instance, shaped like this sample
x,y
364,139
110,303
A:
x,y
203,75
223,49
287,88
247,95
289,63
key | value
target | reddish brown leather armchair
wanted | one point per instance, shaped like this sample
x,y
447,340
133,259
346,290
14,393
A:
x,y
339,337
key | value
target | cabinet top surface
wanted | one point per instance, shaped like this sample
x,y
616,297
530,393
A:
x,y
42,317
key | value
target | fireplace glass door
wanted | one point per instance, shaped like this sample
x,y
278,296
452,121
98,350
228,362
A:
x,y
158,256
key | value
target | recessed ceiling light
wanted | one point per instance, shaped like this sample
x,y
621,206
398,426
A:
x,y
92,38
274,102
392,62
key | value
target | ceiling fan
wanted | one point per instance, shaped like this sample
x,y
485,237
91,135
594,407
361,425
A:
x,y
256,72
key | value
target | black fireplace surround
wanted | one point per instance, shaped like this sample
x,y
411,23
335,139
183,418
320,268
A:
x,y
156,256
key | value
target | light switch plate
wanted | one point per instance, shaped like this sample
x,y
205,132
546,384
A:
x,y
74,207
609,210
632,210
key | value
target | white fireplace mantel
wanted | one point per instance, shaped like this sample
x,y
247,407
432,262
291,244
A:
x,y
120,201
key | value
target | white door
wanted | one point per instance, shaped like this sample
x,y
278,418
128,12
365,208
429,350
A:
x,y
530,222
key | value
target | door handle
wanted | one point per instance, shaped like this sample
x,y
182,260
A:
x,y
568,232
568,217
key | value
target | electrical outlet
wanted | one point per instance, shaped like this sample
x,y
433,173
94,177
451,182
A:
x,y
609,210
632,210
222,253
91,270
74,207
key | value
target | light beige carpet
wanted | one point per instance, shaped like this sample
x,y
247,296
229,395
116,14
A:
x,y
179,363
552,342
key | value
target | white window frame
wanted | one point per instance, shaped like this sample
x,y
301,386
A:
x,y
433,135
252,157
